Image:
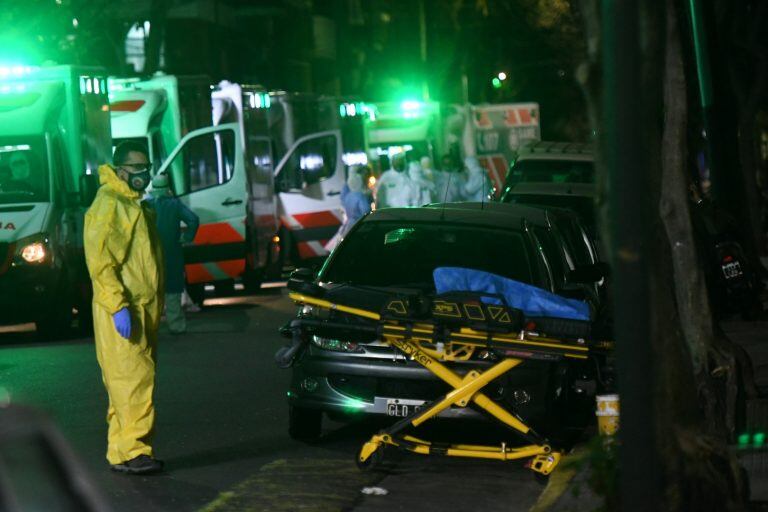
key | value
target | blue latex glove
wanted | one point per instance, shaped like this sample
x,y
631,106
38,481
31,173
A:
x,y
122,320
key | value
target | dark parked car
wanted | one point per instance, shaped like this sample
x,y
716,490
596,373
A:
x,y
397,250
554,174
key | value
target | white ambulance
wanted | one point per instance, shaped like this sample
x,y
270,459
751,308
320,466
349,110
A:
x,y
266,181
54,133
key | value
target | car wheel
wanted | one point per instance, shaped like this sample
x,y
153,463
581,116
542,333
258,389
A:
x,y
304,424
540,478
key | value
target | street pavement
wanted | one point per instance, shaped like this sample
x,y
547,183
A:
x,y
222,427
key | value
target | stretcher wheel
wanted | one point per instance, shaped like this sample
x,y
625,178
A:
x,y
540,479
371,462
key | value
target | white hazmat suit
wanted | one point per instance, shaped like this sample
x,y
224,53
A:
x,y
420,189
478,185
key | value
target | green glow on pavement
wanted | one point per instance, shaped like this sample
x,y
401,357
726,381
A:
x,y
743,440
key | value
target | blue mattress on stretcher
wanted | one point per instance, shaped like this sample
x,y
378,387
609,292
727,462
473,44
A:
x,y
533,301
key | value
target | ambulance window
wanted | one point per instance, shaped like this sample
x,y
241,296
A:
x,y
208,160
312,161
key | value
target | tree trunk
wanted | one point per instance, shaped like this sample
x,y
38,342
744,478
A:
x,y
690,288
690,374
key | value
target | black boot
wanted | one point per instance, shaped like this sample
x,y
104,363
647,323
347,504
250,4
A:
x,y
141,465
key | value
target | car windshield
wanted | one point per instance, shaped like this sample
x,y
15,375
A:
x,y
552,171
405,254
23,171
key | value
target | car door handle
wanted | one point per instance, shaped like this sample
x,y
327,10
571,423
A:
x,y
230,202
333,193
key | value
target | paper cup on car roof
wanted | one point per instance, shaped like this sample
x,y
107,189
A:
x,y
607,414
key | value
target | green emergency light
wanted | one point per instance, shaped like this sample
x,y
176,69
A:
x,y
411,106
356,109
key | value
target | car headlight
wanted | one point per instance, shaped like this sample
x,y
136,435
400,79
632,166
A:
x,y
32,250
336,345
33,253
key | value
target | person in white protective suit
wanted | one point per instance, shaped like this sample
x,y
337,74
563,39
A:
x,y
478,186
420,189
391,188
427,168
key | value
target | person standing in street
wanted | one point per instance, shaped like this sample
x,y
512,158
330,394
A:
x,y
125,263
170,213
420,188
478,185
391,188
356,204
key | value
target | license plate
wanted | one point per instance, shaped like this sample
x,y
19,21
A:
x,y
401,408
731,270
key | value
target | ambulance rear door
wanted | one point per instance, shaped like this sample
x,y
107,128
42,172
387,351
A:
x,y
309,179
214,186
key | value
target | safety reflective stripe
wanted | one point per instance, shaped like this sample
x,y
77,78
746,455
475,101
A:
x,y
215,271
320,219
221,232
520,116
217,233
496,166
312,249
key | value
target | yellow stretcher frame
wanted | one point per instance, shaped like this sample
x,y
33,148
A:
x,y
415,340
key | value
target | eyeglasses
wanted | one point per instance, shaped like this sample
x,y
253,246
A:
x,y
138,167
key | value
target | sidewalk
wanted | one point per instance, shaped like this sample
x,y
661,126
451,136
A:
x,y
437,484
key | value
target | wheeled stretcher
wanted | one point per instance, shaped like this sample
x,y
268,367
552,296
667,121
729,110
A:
x,y
432,330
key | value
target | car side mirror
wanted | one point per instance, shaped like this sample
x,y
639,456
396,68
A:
x,y
588,274
89,185
302,280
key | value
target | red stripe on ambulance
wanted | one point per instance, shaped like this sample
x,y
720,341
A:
x,y
320,219
233,268
312,249
197,273
217,233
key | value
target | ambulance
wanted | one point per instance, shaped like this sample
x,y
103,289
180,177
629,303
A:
x,y
158,111
493,133
54,133
412,127
266,181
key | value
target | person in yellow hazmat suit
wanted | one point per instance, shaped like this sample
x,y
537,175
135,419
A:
x,y
125,261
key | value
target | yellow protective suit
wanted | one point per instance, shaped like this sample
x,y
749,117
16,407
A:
x,y
125,262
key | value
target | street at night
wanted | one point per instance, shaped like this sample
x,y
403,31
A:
x,y
383,255
222,426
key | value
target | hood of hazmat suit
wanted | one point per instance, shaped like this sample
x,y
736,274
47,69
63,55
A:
x,y
124,260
